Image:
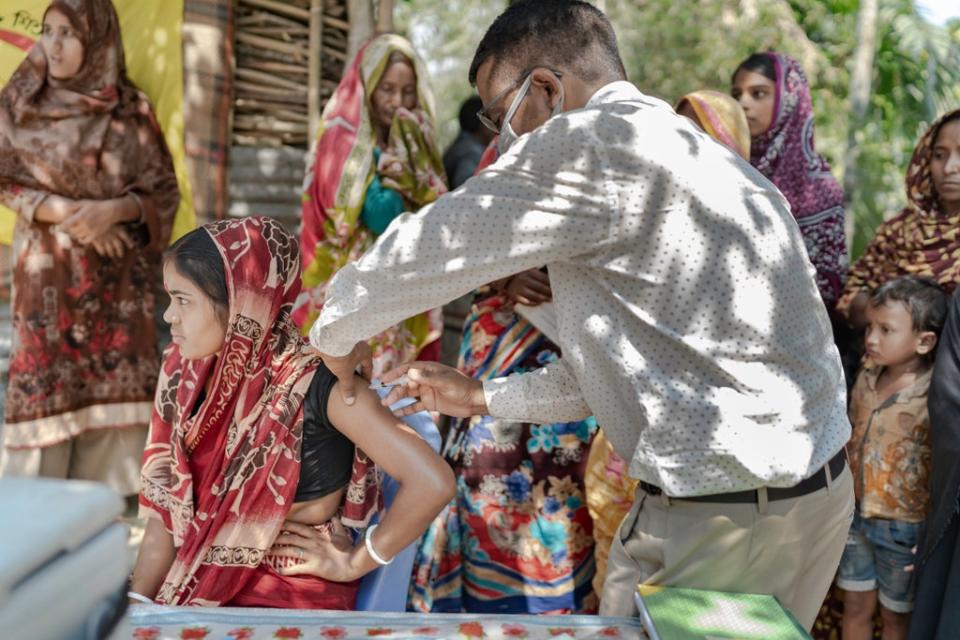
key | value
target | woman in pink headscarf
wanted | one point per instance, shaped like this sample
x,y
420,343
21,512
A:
x,y
773,91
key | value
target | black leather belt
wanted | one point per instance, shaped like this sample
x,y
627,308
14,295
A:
x,y
814,483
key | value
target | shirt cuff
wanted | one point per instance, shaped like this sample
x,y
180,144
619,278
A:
x,y
321,337
503,397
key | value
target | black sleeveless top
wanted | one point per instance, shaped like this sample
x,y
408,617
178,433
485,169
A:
x,y
326,456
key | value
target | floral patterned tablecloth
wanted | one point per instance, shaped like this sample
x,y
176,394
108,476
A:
x,y
146,622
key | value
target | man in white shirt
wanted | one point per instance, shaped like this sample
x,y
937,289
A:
x,y
689,319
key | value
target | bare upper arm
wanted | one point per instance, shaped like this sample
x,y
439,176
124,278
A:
x,y
389,442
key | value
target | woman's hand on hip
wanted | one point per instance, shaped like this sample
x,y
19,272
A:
x,y
328,555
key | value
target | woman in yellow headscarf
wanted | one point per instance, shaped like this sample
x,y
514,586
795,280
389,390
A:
x,y
720,116
376,156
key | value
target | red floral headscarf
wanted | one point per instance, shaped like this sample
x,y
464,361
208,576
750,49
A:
x,y
248,428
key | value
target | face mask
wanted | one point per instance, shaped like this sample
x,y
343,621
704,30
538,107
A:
x,y
507,135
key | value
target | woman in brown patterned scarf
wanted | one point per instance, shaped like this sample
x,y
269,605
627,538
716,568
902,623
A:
x,y
924,239
84,165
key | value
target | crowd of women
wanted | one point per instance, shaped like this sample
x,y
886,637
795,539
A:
x,y
235,440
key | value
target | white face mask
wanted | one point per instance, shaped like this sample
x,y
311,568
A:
x,y
507,135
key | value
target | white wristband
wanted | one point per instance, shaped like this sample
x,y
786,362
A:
x,y
368,542
139,597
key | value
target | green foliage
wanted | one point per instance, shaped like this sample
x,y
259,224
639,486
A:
x,y
916,78
671,47
674,46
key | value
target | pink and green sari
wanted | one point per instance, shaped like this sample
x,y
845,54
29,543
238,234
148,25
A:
x,y
336,183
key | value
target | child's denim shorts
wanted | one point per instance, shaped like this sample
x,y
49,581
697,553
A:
x,y
877,556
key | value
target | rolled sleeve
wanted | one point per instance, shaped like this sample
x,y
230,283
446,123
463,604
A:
x,y
547,395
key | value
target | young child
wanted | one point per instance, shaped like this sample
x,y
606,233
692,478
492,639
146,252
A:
x,y
890,455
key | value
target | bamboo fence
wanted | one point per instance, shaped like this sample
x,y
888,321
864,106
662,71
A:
x,y
290,55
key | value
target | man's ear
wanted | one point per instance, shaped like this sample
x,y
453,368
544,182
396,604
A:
x,y
926,342
545,80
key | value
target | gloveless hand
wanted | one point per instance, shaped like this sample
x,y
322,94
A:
x,y
437,388
327,555
345,367
94,219
114,243
530,287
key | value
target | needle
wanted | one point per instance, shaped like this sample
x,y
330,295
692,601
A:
x,y
389,385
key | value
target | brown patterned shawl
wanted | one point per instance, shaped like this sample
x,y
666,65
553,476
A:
x,y
920,241
84,352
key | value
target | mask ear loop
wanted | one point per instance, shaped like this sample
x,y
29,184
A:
x,y
558,108
512,111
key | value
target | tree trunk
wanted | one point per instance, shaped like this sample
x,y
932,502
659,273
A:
x,y
360,13
313,70
385,16
861,76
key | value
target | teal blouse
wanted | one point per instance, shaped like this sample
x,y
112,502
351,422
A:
x,y
380,204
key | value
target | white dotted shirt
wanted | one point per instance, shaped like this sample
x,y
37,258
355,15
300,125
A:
x,y
689,319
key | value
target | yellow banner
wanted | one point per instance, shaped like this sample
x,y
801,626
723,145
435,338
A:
x,y
154,55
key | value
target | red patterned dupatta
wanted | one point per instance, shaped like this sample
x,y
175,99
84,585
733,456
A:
x,y
224,506
785,154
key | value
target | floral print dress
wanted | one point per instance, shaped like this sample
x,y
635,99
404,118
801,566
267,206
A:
x,y
518,537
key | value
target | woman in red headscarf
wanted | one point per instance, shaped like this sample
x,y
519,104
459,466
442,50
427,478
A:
x,y
85,167
248,440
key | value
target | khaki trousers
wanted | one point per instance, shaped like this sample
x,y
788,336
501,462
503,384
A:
x,y
111,456
787,548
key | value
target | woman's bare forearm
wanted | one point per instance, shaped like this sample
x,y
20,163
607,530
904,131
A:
x,y
426,481
157,553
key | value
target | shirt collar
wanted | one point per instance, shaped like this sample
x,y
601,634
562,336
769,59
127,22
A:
x,y
917,389
615,92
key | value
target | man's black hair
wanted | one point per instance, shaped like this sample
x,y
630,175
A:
x,y
761,63
560,34
923,297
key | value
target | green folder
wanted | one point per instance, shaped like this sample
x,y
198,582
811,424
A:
x,y
674,613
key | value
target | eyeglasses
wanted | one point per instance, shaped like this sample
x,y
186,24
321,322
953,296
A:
x,y
484,114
